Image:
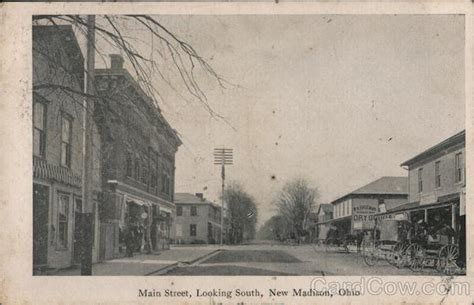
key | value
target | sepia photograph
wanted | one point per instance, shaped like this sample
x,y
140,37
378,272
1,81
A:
x,y
248,145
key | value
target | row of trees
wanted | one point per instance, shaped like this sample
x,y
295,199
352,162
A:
x,y
294,203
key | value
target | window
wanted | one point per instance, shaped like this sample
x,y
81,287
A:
x,y
39,129
165,186
153,177
194,211
437,174
179,211
144,178
63,221
66,132
192,230
137,169
129,165
420,180
458,167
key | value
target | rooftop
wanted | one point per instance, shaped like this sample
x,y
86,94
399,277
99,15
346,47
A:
x,y
460,137
187,198
387,185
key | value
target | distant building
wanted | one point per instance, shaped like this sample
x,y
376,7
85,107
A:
x,y
138,157
197,220
356,210
324,215
58,80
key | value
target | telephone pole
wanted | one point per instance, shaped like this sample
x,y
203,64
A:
x,y
223,157
87,188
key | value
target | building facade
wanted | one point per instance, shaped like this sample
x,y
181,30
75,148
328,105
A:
x,y
356,210
437,186
138,157
58,78
324,216
197,220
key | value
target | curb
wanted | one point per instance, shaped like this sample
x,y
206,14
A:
x,y
171,267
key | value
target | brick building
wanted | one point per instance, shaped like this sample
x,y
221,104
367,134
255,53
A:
x,y
197,220
58,72
138,157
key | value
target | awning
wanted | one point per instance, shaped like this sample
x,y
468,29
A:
x,y
136,201
163,209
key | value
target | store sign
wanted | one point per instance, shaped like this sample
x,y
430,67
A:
x,y
363,216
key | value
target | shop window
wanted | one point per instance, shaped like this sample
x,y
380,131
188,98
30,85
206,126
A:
x,y
437,174
194,211
192,230
420,180
66,135
129,165
458,167
63,221
39,129
179,211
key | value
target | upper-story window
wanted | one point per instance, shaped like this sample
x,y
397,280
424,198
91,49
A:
x,y
153,179
420,180
165,186
437,174
39,129
137,169
458,167
66,135
144,177
194,211
179,211
129,165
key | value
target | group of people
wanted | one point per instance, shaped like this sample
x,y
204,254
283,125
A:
x,y
133,238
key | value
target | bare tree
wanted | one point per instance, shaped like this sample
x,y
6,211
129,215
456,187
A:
x,y
148,65
241,214
295,202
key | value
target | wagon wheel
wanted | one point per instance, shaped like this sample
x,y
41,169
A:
x,y
447,259
415,255
369,253
397,257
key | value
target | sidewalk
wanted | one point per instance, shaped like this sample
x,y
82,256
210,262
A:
x,y
143,264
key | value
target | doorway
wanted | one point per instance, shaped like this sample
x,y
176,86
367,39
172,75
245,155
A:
x,y
40,224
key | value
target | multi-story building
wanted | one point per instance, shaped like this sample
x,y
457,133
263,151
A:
x,y
138,157
437,184
356,210
58,78
197,220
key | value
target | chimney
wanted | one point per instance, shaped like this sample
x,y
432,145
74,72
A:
x,y
116,61
200,195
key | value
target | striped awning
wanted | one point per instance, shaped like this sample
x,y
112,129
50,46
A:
x,y
44,170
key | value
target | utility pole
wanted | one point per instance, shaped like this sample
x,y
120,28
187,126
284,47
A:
x,y
223,157
87,187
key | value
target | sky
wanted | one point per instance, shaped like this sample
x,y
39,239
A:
x,y
339,100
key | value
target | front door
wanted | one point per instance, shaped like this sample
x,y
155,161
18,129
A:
x,y
40,224
77,230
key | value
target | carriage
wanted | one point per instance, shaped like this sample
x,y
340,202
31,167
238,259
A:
x,y
414,245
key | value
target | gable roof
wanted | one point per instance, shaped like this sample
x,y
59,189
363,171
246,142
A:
x,y
458,138
187,198
326,207
387,185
